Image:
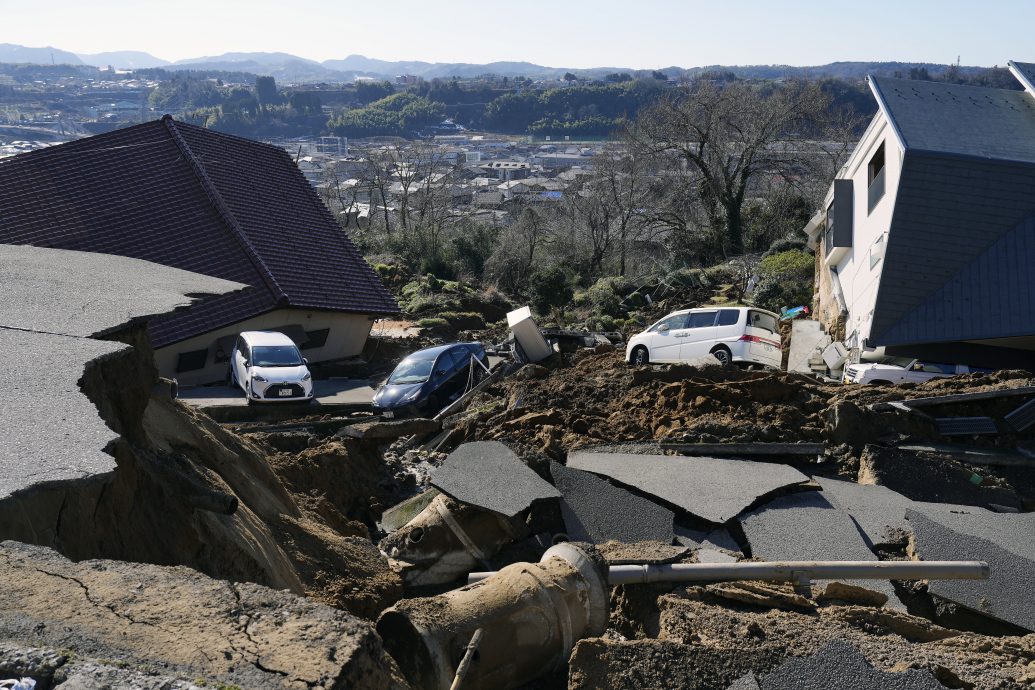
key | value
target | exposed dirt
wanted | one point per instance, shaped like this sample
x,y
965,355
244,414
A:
x,y
655,634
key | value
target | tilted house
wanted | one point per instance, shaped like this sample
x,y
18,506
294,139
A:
x,y
214,204
926,246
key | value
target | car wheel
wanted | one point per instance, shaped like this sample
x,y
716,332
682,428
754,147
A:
x,y
724,356
640,356
880,382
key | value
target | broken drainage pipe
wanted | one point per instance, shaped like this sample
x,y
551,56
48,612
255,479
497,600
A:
x,y
530,616
790,571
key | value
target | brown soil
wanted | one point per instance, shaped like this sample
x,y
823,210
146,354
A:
x,y
654,635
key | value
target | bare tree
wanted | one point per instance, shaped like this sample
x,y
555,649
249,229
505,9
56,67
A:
x,y
728,135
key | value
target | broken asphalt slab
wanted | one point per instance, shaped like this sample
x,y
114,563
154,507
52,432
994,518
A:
x,y
85,294
596,511
185,624
840,666
51,431
713,489
53,301
1004,541
489,475
806,527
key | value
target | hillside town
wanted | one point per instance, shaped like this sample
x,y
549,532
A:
x,y
431,375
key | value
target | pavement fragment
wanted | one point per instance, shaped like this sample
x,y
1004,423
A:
x,y
714,489
596,511
840,666
1004,541
806,527
489,475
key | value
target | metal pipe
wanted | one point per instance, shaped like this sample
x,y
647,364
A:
x,y
789,571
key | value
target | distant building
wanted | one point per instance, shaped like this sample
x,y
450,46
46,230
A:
x,y
506,170
214,204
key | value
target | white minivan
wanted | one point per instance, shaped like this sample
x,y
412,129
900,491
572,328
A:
x,y
730,334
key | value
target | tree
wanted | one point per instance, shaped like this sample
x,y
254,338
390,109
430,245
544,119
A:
x,y
568,77
659,75
266,91
730,136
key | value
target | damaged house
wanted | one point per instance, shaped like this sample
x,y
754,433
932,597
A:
x,y
210,203
926,242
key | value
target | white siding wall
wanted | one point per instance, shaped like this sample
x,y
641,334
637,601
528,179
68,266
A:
x,y
858,279
346,338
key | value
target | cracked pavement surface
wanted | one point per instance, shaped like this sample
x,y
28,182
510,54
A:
x,y
173,619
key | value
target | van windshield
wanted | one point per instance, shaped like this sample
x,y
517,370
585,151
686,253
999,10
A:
x,y
276,356
412,370
759,319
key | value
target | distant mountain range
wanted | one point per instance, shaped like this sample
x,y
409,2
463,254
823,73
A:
x,y
291,68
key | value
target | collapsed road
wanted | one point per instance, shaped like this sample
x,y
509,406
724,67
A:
x,y
150,547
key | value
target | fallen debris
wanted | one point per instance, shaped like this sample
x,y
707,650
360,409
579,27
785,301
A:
x,y
840,665
713,489
491,476
188,625
806,527
1003,540
530,615
595,511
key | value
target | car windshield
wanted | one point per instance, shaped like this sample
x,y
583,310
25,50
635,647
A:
x,y
276,356
412,370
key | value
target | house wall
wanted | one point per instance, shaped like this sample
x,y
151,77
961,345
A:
x,y
859,280
346,337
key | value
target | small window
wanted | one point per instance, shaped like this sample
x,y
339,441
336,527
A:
x,y
672,323
191,361
759,319
876,251
875,177
701,319
315,339
728,317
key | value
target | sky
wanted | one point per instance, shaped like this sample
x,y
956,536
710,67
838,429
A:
x,y
640,34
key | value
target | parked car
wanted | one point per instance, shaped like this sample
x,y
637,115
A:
x,y
268,367
731,334
429,379
902,370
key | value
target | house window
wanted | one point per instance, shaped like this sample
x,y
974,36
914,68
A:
x,y
875,177
191,361
315,339
828,232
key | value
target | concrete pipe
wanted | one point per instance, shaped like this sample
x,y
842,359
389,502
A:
x,y
531,616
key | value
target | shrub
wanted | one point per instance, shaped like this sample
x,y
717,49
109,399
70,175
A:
x,y
785,280
432,323
549,287
785,245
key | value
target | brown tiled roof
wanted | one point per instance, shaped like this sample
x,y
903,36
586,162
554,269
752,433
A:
x,y
195,199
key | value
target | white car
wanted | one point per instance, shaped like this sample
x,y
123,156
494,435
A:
x,y
268,367
730,334
902,370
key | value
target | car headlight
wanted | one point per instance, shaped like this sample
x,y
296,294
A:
x,y
307,376
260,379
412,395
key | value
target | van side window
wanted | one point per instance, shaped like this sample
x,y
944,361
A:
x,y
701,319
672,323
728,317
461,358
759,319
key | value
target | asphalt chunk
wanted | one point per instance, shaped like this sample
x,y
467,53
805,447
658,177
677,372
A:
x,y
1004,541
878,510
840,666
806,527
713,489
489,475
596,511
51,431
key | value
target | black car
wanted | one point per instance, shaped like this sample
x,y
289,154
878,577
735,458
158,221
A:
x,y
430,379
